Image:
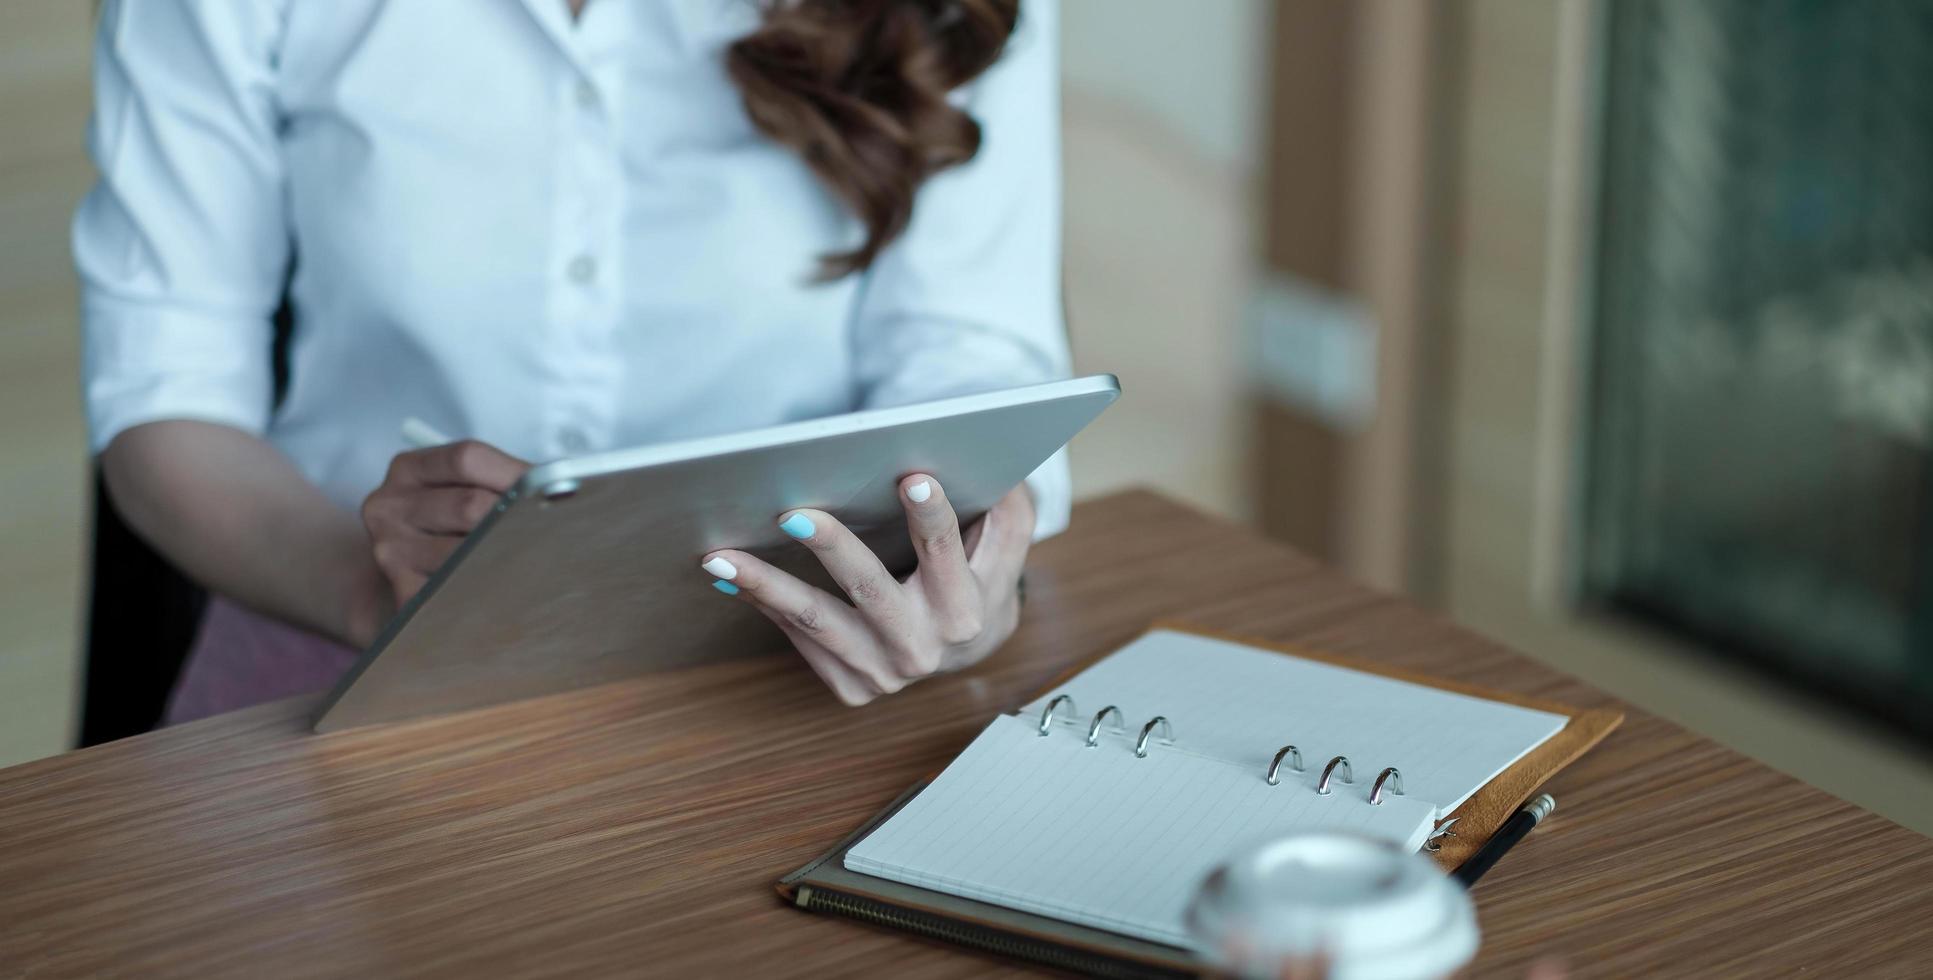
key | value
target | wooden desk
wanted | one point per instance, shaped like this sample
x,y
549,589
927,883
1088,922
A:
x,y
638,827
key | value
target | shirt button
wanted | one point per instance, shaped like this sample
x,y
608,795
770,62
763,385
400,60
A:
x,y
586,95
582,270
573,440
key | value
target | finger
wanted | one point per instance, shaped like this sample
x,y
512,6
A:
x,y
848,685
408,560
447,510
404,586
421,554
974,532
878,597
949,585
812,612
468,463
1006,533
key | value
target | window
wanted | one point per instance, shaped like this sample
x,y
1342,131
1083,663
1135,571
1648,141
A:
x,y
1757,467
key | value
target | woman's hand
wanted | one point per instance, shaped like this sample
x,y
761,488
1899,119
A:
x,y
428,501
959,606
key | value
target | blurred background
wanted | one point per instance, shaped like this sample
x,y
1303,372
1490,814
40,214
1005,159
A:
x,y
1604,327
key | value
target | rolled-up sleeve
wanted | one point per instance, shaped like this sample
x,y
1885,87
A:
x,y
182,246
969,298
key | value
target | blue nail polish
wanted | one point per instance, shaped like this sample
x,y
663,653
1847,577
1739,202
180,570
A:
x,y
725,587
799,526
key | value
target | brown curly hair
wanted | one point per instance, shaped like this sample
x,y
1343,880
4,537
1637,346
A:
x,y
858,88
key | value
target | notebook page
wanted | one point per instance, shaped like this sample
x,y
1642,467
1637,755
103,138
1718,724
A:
x,y
1240,704
1095,835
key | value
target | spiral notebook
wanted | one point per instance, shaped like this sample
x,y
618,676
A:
x,y
1104,802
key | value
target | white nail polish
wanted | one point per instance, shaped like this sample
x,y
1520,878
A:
x,y
920,492
720,567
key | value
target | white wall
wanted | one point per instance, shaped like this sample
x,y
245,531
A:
x,y
43,449
1163,106
1198,67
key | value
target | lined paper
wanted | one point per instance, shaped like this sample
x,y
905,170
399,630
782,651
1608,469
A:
x,y
1095,835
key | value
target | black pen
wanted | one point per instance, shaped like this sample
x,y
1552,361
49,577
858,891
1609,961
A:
x,y
1506,837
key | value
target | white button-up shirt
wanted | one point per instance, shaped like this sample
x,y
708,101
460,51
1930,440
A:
x,y
556,236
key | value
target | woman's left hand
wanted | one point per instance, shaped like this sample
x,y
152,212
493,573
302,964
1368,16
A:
x,y
959,606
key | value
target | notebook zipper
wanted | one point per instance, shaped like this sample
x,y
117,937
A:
x,y
983,938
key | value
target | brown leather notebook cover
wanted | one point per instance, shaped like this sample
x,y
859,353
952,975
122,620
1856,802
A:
x,y
826,886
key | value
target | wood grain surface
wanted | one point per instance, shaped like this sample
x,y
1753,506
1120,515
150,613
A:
x,y
637,828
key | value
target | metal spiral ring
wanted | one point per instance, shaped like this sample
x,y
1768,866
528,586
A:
x,y
1047,713
1167,735
1275,766
1395,781
1348,773
1094,727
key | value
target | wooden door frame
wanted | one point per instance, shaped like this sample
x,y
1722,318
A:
x,y
1356,145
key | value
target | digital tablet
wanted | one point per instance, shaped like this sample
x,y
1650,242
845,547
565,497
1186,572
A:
x,y
587,570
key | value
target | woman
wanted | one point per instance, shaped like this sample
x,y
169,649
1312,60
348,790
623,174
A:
x,y
554,227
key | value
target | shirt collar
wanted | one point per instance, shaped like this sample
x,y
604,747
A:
x,y
554,17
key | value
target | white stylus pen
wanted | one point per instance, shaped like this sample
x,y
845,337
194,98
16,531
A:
x,y
422,435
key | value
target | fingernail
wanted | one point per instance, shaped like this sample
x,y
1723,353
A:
x,y
920,492
725,587
717,565
798,526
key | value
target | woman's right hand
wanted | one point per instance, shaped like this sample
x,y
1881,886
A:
x,y
430,499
